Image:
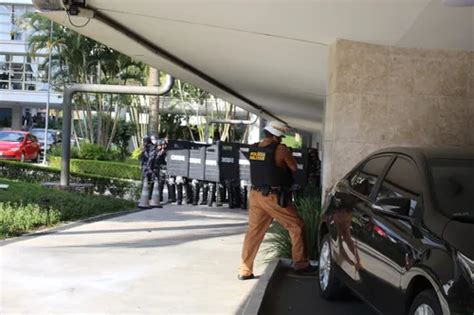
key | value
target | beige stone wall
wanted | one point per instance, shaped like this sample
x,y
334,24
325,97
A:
x,y
381,96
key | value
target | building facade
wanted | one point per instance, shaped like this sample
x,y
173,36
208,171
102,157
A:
x,y
23,81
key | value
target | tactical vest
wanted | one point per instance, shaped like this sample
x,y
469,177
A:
x,y
263,170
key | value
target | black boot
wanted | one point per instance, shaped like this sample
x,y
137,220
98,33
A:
x,y
205,193
171,193
189,193
196,188
225,193
161,187
212,194
179,188
244,197
231,192
237,202
218,195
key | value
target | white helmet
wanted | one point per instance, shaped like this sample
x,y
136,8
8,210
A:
x,y
276,128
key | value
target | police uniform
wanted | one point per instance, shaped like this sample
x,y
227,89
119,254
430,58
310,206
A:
x,y
145,160
271,166
159,166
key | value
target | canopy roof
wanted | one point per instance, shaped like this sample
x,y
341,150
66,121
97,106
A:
x,y
268,54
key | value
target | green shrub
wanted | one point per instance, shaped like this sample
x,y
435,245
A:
x,y
102,168
56,150
89,151
16,219
103,185
132,160
136,153
26,206
308,206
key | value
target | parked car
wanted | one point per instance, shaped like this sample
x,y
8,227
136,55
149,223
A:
x,y
53,137
399,231
19,145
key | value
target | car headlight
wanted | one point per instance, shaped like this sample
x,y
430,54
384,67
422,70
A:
x,y
468,265
15,149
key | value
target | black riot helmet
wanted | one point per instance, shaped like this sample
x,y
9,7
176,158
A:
x,y
146,140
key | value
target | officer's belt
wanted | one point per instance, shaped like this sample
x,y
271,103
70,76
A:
x,y
267,190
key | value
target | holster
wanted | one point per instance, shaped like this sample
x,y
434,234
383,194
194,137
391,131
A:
x,y
284,198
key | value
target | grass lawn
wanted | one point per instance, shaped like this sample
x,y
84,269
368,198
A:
x,y
25,207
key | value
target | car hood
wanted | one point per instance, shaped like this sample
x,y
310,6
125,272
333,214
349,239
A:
x,y
460,236
6,145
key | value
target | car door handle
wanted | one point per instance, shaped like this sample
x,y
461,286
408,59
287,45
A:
x,y
365,218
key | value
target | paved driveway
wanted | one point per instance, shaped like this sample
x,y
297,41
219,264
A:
x,y
175,260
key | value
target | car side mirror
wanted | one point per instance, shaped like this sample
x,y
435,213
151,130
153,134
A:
x,y
397,207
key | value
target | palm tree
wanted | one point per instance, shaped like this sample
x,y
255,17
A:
x,y
78,59
154,102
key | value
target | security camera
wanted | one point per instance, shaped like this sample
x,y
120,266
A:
x,y
73,6
55,5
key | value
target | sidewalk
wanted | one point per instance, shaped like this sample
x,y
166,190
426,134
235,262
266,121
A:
x,y
175,260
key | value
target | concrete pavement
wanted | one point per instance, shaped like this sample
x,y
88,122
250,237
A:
x,y
174,260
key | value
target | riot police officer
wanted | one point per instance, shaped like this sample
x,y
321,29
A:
x,y
144,157
159,164
271,166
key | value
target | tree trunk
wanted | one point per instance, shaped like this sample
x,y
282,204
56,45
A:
x,y
100,99
114,128
154,102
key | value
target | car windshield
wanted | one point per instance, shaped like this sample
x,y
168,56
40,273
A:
x,y
40,135
453,182
11,136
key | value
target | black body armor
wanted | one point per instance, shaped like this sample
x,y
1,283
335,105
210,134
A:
x,y
263,170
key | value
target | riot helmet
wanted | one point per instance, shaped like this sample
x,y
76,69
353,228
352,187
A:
x,y
146,140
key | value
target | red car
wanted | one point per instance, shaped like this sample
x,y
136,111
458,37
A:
x,y
19,145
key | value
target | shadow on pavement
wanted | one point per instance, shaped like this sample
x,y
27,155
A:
x,y
168,241
165,228
288,293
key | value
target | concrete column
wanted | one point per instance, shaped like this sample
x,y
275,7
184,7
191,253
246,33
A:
x,y
381,96
16,118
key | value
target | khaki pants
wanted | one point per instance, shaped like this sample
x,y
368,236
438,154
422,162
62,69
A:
x,y
262,211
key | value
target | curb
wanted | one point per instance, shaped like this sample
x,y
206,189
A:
x,y
254,302
255,299
67,226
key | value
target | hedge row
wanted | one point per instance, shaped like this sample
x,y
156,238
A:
x,y
119,188
108,169
26,206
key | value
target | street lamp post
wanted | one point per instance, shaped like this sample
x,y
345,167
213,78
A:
x,y
46,123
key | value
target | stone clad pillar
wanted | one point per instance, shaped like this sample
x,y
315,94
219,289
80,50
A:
x,y
382,96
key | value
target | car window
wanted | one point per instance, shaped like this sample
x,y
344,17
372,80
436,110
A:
x,y
364,179
454,187
402,181
11,136
40,135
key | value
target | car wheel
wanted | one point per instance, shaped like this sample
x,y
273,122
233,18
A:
x,y
330,286
36,159
426,303
22,157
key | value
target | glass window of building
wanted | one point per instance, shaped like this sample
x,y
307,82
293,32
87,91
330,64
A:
x,y
5,117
